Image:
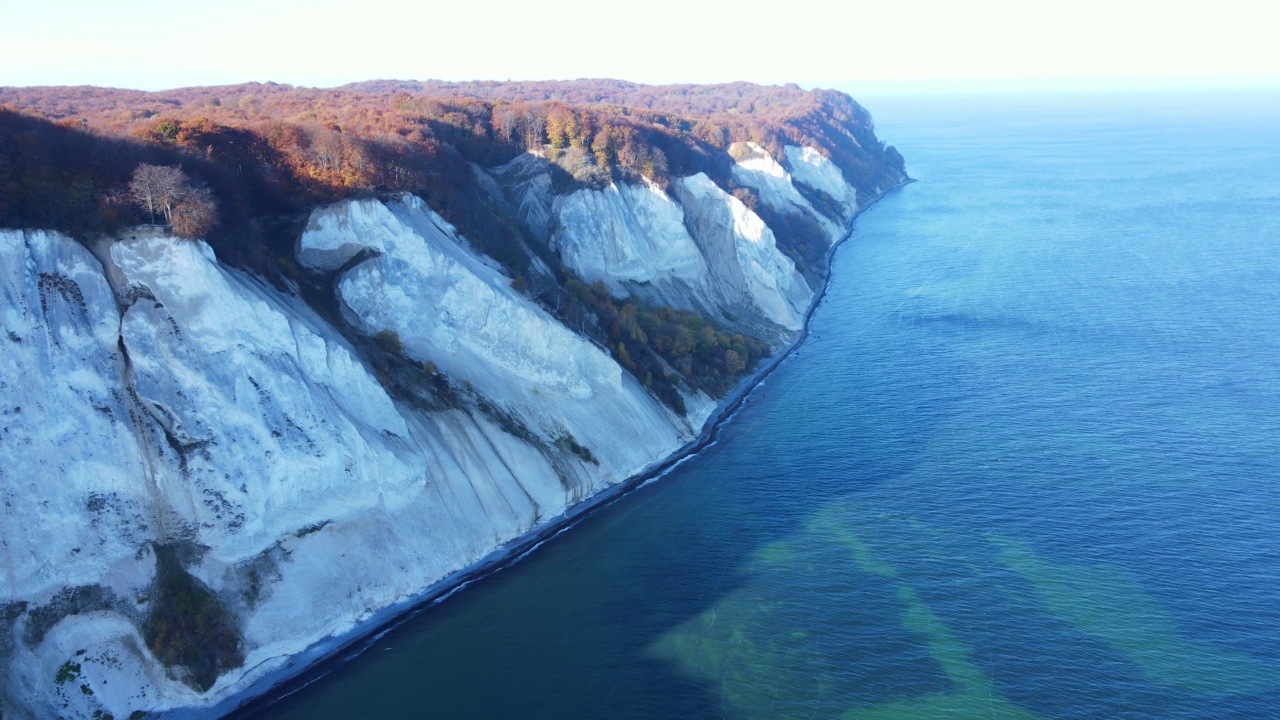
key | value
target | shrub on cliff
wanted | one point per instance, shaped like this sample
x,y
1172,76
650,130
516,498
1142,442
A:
x,y
188,628
662,347
389,340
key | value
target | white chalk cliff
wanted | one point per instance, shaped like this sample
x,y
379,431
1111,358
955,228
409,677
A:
x,y
699,247
154,400
632,238
756,169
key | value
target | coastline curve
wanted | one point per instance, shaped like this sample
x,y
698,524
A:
x,y
325,656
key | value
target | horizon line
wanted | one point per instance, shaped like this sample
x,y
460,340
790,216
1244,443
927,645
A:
x,y
933,86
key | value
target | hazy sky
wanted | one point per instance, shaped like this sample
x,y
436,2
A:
x,y
875,46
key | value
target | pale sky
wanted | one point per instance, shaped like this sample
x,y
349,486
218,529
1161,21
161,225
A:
x,y
911,45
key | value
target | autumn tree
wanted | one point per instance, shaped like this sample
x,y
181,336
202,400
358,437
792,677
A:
x,y
196,214
191,210
733,362
605,152
561,127
156,187
506,122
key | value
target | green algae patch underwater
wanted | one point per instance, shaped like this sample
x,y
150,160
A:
x,y
771,649
1110,604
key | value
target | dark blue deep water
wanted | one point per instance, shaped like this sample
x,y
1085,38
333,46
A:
x,y
1026,466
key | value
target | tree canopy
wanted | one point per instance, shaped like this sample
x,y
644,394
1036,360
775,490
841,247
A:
x,y
242,165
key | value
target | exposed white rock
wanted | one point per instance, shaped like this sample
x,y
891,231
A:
x,y
447,307
756,168
103,669
481,332
630,235
262,396
707,251
215,411
188,402
529,194
747,269
814,169
73,484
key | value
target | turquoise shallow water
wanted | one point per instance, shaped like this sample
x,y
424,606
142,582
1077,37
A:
x,y
1025,467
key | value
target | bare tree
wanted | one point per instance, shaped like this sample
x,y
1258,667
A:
x,y
326,148
157,187
192,210
535,127
506,123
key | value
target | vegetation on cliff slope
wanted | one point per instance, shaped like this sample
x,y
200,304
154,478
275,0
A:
x,y
265,154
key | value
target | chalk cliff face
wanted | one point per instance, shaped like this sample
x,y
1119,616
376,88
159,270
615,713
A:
x,y
186,445
451,310
633,239
699,247
749,273
756,168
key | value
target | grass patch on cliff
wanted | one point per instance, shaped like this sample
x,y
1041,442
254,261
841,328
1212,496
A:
x,y
70,601
189,629
569,443
509,423
69,672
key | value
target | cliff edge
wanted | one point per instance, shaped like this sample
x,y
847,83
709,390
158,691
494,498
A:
x,y
225,456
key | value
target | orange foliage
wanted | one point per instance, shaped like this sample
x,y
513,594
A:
x,y
275,150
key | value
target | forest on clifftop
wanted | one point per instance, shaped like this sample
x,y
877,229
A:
x,y
264,155
66,153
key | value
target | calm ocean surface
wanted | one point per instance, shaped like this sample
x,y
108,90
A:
x,y
1026,466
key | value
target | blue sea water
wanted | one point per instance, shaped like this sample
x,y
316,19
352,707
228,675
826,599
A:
x,y
1026,466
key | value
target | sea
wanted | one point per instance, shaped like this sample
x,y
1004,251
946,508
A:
x,y
1026,465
